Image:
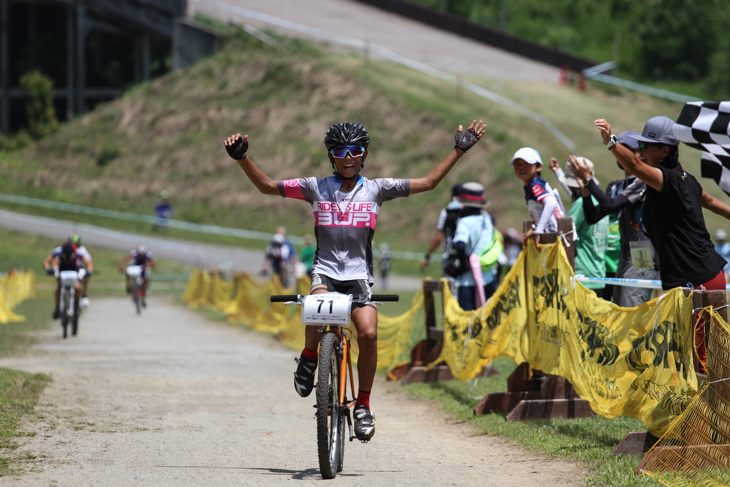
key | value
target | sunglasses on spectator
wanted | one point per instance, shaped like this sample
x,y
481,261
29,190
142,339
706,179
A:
x,y
354,150
644,145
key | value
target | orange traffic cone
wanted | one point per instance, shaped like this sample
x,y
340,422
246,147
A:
x,y
564,74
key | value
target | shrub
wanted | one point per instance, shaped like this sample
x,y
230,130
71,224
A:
x,y
39,109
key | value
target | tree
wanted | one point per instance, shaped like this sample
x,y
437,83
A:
x,y
39,109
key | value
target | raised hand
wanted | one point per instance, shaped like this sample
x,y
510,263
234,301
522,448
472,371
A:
x,y
236,146
554,164
466,140
605,129
580,170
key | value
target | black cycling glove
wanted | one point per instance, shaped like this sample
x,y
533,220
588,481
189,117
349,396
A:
x,y
238,149
466,140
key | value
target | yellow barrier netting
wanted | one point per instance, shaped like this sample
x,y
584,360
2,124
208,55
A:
x,y
245,301
15,288
696,448
635,362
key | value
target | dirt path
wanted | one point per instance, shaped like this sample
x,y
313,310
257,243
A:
x,y
171,399
353,23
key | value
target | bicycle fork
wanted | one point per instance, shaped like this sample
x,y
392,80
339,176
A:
x,y
346,366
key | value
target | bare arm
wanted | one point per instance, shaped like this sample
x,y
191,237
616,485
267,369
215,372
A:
x,y
124,260
436,174
631,162
262,182
89,264
714,205
437,238
48,262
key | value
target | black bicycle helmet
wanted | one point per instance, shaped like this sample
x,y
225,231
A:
x,y
346,133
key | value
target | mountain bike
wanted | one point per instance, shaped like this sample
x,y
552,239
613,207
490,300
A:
x,y
135,285
68,304
331,312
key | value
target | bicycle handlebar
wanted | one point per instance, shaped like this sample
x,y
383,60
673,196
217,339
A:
x,y
283,298
357,298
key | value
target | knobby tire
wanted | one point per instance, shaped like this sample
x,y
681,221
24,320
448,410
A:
x,y
65,298
136,298
330,417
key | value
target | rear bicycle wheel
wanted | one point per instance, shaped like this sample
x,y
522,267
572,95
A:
x,y
75,321
330,414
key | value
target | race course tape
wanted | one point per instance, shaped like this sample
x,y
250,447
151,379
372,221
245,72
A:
x,y
616,281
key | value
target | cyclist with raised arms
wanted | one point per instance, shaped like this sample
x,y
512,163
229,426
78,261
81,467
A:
x,y
346,207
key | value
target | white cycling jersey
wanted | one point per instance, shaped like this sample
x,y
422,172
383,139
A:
x,y
80,251
344,223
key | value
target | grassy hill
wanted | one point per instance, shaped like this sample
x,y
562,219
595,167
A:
x,y
167,134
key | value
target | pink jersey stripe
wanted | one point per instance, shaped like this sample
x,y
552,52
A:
x,y
293,189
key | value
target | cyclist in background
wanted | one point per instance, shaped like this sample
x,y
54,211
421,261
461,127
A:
x,y
65,258
346,207
140,256
82,251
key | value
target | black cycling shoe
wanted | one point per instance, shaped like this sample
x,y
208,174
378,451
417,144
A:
x,y
364,423
304,376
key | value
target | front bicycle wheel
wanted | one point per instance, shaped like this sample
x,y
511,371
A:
x,y
64,311
136,298
330,414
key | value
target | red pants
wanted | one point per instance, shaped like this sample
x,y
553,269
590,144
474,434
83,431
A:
x,y
716,283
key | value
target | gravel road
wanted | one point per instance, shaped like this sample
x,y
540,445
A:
x,y
172,399
355,23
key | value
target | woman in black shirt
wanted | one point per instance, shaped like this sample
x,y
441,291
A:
x,y
672,213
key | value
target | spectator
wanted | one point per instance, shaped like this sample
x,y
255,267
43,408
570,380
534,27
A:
x,y
474,234
672,213
276,259
163,212
722,247
309,250
542,201
384,263
292,251
590,241
445,229
625,198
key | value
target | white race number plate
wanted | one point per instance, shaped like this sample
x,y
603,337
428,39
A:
x,y
326,309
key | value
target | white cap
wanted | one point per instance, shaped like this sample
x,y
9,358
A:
x,y
569,177
527,154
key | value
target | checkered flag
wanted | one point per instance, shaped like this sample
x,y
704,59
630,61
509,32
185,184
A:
x,y
706,126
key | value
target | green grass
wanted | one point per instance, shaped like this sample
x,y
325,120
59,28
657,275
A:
x,y
588,441
19,392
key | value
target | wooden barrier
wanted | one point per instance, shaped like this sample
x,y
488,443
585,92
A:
x,y
536,395
429,349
